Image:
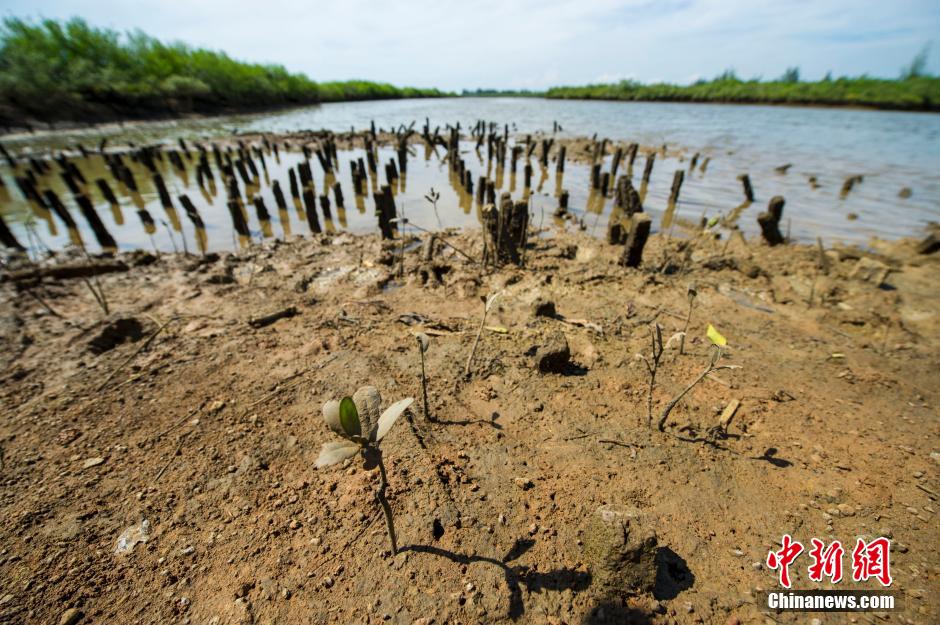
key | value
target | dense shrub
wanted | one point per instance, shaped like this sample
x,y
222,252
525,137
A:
x,y
69,70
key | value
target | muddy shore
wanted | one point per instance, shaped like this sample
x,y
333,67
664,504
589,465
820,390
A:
x,y
179,411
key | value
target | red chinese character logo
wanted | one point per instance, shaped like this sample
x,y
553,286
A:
x,y
784,558
826,563
872,560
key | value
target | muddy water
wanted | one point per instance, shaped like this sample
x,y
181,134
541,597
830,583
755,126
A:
x,y
890,150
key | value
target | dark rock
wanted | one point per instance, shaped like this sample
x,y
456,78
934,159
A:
x,y
930,244
543,308
114,333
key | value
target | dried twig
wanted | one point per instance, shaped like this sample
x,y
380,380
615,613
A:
x,y
43,303
712,366
170,461
266,320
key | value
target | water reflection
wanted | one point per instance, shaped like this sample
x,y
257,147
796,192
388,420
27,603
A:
x,y
231,192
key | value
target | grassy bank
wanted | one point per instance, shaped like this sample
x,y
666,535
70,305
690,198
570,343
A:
x,y
69,71
911,93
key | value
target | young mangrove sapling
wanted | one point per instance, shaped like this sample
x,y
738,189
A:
x,y
652,366
691,294
487,305
718,341
358,421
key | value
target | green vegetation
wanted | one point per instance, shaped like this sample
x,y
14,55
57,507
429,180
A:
x,y
913,91
502,93
54,71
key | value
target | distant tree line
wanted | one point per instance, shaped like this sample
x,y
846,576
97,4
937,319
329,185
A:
x,y
502,93
55,71
915,89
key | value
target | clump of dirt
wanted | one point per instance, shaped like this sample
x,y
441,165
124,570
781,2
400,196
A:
x,y
209,435
114,333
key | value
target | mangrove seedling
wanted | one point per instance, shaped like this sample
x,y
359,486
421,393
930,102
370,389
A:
x,y
652,366
718,341
691,295
432,197
358,421
487,304
423,343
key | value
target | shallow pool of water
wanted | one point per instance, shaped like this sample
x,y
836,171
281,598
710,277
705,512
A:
x,y
891,150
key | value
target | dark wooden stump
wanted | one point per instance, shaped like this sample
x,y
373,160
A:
x,y
748,189
648,168
278,195
105,240
338,194
677,179
640,225
310,207
769,221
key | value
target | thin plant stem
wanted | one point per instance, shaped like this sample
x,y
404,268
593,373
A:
x,y
712,366
96,290
43,303
656,340
386,508
685,329
424,385
476,341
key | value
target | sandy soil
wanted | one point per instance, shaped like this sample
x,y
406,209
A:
x,y
210,430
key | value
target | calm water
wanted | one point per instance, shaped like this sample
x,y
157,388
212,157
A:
x,y
891,150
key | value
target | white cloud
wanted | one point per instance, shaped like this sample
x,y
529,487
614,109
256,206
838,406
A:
x,y
532,43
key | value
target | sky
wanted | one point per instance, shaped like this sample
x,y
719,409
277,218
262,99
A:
x,y
533,44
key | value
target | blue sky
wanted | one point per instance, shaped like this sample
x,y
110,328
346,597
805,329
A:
x,y
456,44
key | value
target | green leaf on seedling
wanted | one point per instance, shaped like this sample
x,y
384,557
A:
x,y
349,417
715,336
